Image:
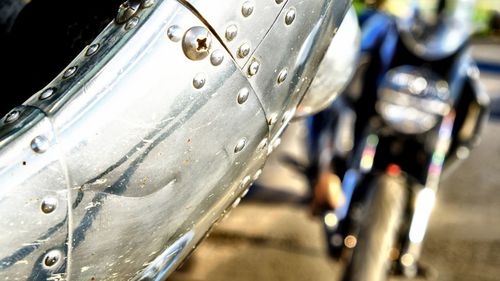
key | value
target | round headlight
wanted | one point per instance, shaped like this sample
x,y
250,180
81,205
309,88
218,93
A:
x,y
412,99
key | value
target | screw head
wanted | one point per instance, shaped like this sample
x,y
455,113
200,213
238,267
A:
x,y
131,23
231,32
282,75
12,116
52,258
196,43
174,33
70,72
199,80
92,49
247,8
49,205
47,93
40,144
244,50
217,57
243,95
253,68
240,145
290,16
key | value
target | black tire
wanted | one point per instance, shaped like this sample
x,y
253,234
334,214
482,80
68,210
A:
x,y
378,230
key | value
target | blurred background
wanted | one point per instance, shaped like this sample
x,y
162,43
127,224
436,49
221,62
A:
x,y
272,235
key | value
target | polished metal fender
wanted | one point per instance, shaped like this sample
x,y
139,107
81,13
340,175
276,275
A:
x,y
335,70
118,167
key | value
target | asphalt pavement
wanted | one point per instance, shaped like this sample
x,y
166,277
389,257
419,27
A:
x,y
272,236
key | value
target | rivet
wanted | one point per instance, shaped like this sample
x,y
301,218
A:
x,y
174,33
257,174
272,119
12,116
240,145
243,95
52,258
244,50
287,116
70,72
126,11
290,16
49,205
47,93
262,144
247,8
245,192
282,75
231,32
245,181
148,3
199,80
276,143
92,49
236,202
40,144
196,43
131,23
253,68
217,57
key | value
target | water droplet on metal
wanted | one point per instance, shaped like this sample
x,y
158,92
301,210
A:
x,y
240,145
70,72
174,33
290,16
257,174
49,205
12,116
52,258
131,23
47,93
247,8
92,49
282,75
243,95
253,68
231,32
244,50
196,43
40,144
199,80
217,57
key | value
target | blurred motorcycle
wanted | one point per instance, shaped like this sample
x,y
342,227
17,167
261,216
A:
x,y
414,106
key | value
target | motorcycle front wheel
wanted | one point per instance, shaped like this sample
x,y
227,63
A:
x,y
378,230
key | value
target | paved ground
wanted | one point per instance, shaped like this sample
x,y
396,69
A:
x,y
272,237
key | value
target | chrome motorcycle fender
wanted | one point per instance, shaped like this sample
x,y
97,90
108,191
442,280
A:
x,y
118,167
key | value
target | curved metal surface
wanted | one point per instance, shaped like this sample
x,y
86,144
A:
x,y
314,24
118,168
336,68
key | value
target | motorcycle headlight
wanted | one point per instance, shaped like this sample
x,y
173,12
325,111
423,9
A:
x,y
412,99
